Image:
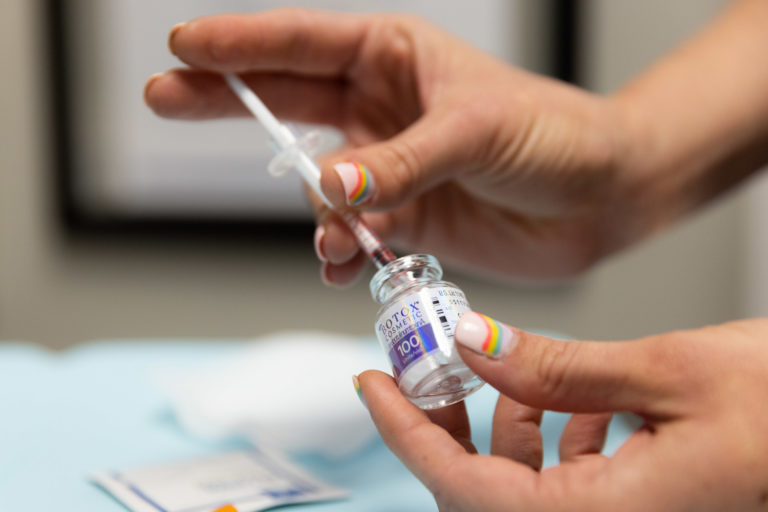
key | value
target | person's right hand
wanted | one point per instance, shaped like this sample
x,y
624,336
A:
x,y
472,160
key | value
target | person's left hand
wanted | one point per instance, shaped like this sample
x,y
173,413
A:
x,y
701,393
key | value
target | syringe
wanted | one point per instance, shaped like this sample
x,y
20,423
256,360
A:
x,y
292,152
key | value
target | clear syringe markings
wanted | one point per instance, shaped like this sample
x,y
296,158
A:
x,y
290,153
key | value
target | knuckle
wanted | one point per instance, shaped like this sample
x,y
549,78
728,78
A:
x,y
223,48
487,142
404,23
391,41
674,354
400,51
299,46
554,362
402,162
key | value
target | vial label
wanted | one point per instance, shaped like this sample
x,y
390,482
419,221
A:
x,y
420,323
412,346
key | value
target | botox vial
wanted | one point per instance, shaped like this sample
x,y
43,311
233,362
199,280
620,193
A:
x,y
415,327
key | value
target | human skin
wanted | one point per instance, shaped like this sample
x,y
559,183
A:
x,y
526,178
488,166
703,445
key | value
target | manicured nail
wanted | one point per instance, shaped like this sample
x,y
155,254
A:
x,y
173,33
485,335
356,383
357,180
319,236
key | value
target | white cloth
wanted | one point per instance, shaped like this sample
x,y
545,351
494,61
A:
x,y
289,390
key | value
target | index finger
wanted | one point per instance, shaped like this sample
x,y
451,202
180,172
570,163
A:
x,y
456,477
424,447
282,40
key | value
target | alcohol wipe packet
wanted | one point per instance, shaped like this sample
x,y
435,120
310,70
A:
x,y
249,480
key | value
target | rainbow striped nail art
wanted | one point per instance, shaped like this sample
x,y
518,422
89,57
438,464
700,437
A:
x,y
357,181
492,342
356,383
483,334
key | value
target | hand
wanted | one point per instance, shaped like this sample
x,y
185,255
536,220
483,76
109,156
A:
x,y
701,393
475,161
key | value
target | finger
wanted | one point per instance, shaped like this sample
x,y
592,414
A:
x,y
638,376
334,241
424,447
197,94
455,421
516,433
458,479
584,434
388,174
295,40
344,275
334,244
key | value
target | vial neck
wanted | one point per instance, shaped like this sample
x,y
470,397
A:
x,y
403,273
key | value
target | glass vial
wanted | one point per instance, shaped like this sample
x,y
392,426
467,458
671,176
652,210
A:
x,y
416,325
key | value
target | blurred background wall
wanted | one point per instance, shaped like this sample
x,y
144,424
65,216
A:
x,y
58,290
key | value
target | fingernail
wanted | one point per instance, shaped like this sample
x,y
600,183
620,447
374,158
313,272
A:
x,y
173,33
485,335
149,83
324,275
319,236
357,181
356,383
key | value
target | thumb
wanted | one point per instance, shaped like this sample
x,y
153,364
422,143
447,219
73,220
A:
x,y
389,173
571,376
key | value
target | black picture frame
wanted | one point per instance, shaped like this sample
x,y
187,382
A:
x,y
75,220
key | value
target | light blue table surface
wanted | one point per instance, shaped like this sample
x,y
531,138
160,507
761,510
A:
x,y
68,414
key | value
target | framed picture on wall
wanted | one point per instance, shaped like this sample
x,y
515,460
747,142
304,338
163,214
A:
x,y
121,168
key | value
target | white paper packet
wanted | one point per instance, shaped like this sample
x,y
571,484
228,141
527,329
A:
x,y
249,480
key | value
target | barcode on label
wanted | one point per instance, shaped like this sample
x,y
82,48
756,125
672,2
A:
x,y
441,316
